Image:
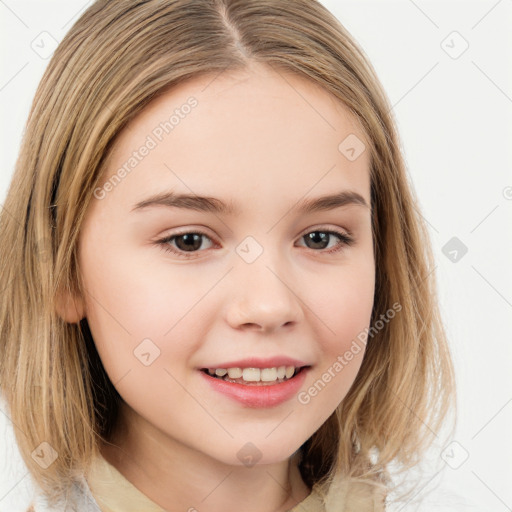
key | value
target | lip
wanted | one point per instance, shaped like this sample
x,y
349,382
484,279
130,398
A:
x,y
263,396
258,362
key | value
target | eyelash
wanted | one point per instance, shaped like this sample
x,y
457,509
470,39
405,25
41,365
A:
x,y
345,241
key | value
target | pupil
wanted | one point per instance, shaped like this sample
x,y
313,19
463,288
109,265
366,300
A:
x,y
191,241
319,237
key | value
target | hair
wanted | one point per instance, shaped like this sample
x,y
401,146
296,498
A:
x,y
119,56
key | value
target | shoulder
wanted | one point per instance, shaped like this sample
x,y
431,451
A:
x,y
356,496
79,499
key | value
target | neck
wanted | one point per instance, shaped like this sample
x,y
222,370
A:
x,y
177,477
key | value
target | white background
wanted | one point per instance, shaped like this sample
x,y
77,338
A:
x,y
454,116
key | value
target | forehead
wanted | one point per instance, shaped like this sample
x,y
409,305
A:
x,y
259,132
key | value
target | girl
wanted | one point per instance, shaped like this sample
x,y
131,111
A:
x,y
217,289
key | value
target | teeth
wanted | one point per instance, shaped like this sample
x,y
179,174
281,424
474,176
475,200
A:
x,y
235,373
251,374
254,374
268,374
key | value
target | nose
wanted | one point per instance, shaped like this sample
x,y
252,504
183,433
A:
x,y
263,297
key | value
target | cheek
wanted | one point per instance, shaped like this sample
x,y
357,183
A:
x,y
141,292
344,303
343,310
144,332
128,301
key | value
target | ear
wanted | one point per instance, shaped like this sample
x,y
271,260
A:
x,y
69,307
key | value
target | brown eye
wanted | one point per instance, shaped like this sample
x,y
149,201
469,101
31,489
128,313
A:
x,y
319,240
184,244
188,241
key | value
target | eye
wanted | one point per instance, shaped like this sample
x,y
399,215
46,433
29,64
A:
x,y
189,243
185,244
320,239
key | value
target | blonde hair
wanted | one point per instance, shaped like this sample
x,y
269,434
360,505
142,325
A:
x,y
117,58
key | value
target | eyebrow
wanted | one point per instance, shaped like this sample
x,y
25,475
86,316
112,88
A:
x,y
215,205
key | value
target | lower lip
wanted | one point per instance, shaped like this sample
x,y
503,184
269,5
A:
x,y
268,395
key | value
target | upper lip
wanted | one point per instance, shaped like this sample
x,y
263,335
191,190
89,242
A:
x,y
258,362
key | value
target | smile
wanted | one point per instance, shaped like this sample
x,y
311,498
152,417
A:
x,y
254,376
257,394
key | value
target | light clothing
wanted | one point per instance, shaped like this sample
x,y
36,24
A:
x,y
114,493
107,490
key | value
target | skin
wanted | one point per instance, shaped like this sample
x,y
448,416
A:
x,y
263,140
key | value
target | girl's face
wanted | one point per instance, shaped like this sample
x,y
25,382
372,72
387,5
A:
x,y
183,283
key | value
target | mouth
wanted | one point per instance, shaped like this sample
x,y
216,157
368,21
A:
x,y
255,376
